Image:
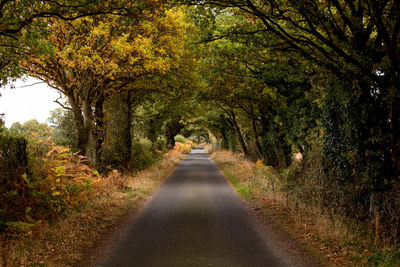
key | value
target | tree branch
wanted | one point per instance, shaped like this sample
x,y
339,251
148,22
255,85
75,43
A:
x,y
62,105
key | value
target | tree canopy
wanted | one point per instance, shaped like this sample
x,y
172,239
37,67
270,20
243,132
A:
x,y
24,21
264,78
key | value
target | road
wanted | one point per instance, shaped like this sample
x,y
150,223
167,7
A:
x,y
195,219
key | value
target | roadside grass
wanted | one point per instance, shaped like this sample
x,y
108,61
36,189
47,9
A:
x,y
335,240
71,239
242,189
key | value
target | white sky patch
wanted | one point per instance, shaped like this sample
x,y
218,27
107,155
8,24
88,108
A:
x,y
27,102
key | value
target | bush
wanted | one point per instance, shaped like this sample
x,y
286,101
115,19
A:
x,y
180,138
161,143
183,148
13,163
191,143
142,154
46,190
12,152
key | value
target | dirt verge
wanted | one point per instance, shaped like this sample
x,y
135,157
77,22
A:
x,y
328,240
75,239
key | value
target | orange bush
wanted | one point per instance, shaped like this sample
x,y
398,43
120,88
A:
x,y
191,143
55,182
183,148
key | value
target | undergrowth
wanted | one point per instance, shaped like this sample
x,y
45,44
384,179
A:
x,y
338,240
70,207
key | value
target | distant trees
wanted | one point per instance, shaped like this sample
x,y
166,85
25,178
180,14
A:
x,y
62,122
1,123
32,128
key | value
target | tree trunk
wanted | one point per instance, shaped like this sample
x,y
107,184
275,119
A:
x,y
281,156
395,133
225,142
81,140
173,128
240,136
265,128
87,124
258,145
152,130
99,133
128,129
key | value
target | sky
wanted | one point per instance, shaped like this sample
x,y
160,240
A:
x,y
27,102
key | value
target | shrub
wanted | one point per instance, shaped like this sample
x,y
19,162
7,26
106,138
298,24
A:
x,y
183,148
191,143
142,154
161,143
54,182
12,152
180,138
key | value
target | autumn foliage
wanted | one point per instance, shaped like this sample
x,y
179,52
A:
x,y
93,58
184,148
267,79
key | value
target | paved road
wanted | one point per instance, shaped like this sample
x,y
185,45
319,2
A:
x,y
195,219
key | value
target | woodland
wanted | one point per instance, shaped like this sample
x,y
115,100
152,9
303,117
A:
x,y
264,78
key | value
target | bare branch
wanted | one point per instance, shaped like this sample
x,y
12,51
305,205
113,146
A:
x,y
62,105
33,84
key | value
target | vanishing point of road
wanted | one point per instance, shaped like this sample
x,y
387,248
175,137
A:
x,y
195,218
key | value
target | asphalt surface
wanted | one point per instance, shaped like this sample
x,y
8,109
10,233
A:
x,y
195,219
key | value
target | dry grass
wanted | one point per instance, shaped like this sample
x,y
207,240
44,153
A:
x,y
69,240
330,237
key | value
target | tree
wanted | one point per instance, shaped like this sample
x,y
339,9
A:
x,y
23,22
319,76
258,90
62,122
2,127
92,58
32,128
356,41
143,113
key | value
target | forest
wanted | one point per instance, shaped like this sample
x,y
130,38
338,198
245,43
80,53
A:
x,y
267,79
